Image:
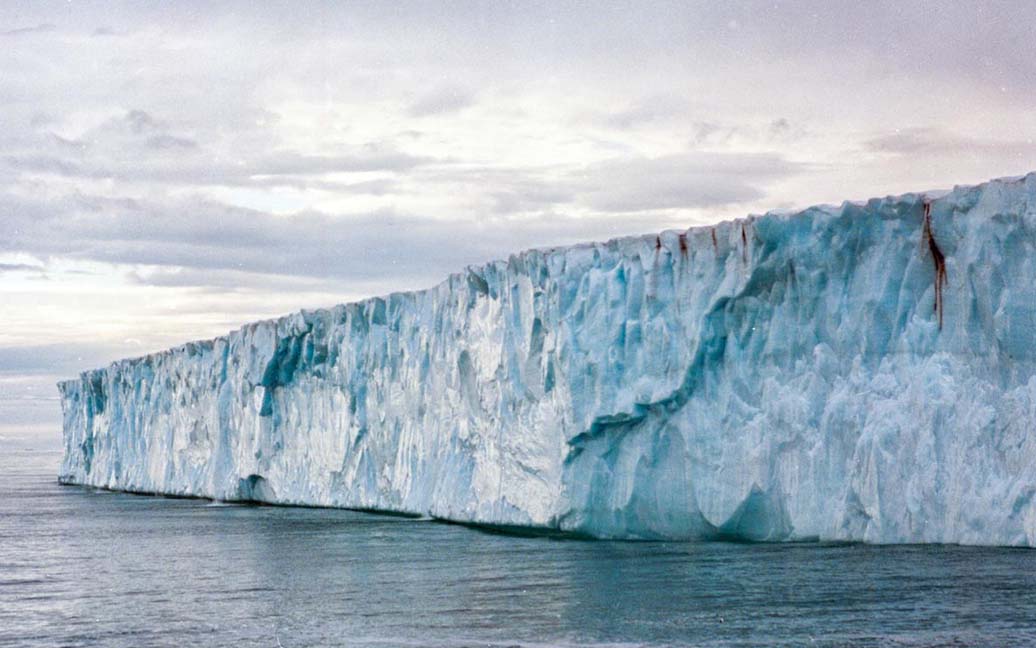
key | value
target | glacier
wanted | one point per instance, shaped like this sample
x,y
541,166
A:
x,y
862,372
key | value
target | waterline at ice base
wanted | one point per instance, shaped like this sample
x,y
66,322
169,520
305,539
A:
x,y
863,372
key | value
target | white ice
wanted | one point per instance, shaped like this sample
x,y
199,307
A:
x,y
782,377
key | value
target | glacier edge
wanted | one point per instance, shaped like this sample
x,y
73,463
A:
x,y
779,377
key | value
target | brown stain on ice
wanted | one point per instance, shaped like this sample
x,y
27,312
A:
x,y
937,257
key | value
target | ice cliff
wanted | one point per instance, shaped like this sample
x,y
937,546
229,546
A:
x,y
861,372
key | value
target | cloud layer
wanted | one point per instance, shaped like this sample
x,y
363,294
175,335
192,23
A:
x,y
169,171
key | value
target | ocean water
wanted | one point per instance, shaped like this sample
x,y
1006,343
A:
x,y
81,567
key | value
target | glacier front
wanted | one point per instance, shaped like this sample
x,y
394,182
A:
x,y
862,372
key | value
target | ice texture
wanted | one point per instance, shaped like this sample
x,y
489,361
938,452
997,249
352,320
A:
x,y
780,377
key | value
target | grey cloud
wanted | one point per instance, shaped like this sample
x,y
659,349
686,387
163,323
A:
x,y
291,163
690,180
704,131
43,164
779,126
650,110
528,195
987,43
140,122
140,148
203,235
715,134
933,141
504,190
19,267
102,32
442,100
592,40
201,171
166,142
36,29
507,190
914,140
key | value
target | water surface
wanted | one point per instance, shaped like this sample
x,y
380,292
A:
x,y
81,567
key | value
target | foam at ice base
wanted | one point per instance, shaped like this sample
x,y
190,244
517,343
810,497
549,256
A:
x,y
781,377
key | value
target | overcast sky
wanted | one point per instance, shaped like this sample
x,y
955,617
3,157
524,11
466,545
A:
x,y
171,172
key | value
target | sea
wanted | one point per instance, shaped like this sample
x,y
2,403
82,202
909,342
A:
x,y
86,567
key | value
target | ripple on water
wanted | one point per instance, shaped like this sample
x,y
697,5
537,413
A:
x,y
82,570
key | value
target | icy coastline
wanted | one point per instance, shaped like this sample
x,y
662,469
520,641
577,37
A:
x,y
862,372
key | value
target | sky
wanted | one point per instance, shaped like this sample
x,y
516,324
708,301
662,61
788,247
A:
x,y
169,172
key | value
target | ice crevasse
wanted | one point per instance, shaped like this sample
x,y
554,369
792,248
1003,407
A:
x,y
859,372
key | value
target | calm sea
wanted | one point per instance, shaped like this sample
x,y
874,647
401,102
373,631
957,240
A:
x,y
80,567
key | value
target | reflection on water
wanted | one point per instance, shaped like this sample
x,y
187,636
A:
x,y
80,567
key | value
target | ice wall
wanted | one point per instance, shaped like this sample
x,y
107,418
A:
x,y
782,377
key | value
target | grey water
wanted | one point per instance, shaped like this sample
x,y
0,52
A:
x,y
82,567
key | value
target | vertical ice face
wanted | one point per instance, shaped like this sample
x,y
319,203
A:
x,y
861,372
